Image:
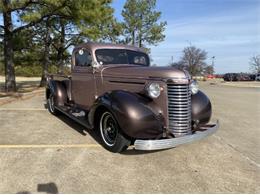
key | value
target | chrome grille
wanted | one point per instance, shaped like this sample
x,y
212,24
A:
x,y
179,109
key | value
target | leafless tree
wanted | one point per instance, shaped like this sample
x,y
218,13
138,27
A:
x,y
178,65
209,70
255,63
193,60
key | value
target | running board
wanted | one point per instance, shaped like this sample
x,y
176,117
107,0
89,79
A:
x,y
80,121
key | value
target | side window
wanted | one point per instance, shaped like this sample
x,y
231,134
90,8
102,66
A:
x,y
83,58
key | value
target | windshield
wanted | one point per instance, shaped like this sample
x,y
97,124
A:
x,y
121,56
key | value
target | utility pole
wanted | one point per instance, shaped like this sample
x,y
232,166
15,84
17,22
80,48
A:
x,y
213,61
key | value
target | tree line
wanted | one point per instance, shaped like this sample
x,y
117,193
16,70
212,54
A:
x,y
193,60
36,35
255,64
40,32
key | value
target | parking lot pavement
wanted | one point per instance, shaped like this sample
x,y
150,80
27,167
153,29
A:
x,y
42,153
238,109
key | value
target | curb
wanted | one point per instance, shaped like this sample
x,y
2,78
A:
x,y
20,96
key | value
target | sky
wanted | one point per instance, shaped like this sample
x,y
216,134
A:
x,y
226,29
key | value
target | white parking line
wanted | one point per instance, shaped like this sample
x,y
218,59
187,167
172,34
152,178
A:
x,y
22,109
51,146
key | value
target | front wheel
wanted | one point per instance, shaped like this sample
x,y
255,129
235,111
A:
x,y
111,136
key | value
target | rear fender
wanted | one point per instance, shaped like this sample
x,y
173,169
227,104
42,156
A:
x,y
57,88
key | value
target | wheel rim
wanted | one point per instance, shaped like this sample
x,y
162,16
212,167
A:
x,y
51,103
108,129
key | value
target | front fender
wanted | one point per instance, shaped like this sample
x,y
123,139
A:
x,y
201,108
134,113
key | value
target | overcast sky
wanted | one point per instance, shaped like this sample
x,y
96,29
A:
x,y
227,29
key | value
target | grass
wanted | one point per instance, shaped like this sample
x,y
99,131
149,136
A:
x,y
24,85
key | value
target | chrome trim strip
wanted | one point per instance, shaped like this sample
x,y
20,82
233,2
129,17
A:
x,y
173,142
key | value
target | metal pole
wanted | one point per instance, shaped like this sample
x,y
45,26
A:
x,y
213,61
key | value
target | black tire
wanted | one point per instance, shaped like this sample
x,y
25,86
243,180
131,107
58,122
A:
x,y
111,137
51,105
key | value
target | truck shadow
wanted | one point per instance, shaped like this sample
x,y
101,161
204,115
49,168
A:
x,y
138,152
79,128
74,125
83,131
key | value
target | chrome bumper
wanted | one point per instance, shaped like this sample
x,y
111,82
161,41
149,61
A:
x,y
173,142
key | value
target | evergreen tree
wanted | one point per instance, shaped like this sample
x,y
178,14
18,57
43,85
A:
x,y
61,23
141,25
21,9
81,20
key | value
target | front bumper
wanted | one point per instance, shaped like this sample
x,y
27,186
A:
x,y
173,142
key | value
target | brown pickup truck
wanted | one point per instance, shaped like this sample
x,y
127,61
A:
x,y
113,90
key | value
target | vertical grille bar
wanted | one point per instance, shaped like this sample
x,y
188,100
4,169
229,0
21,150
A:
x,y
179,109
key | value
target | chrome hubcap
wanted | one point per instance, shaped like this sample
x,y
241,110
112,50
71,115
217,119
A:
x,y
108,129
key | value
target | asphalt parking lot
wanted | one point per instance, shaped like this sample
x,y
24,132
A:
x,y
40,153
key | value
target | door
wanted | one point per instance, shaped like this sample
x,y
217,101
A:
x,y
83,82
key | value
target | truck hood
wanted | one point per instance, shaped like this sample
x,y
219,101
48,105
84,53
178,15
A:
x,y
135,71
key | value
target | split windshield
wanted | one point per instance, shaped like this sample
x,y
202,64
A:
x,y
121,56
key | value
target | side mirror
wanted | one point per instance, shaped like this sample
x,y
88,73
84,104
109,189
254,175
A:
x,y
95,64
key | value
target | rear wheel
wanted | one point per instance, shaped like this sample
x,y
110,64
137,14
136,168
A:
x,y
51,104
111,136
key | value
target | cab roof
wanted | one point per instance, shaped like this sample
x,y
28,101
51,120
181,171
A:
x,y
93,46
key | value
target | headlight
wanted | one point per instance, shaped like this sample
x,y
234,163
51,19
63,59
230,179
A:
x,y
194,87
153,90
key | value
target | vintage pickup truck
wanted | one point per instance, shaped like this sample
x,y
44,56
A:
x,y
113,90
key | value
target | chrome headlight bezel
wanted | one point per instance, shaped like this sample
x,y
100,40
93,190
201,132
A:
x,y
153,90
194,87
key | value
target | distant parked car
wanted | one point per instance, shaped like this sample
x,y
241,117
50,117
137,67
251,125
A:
x,y
252,77
211,76
230,77
237,77
219,76
257,77
244,77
